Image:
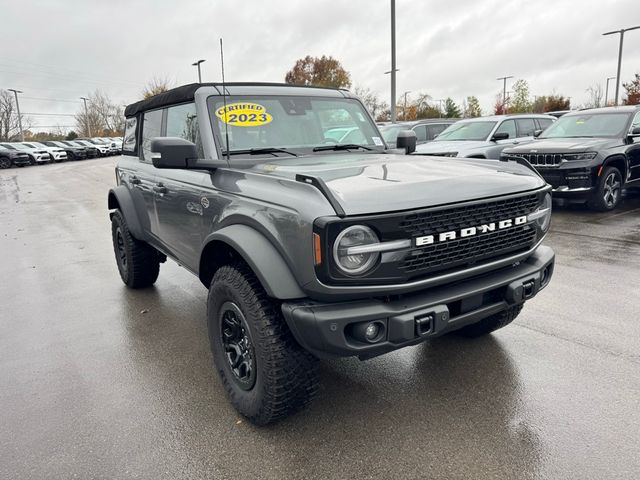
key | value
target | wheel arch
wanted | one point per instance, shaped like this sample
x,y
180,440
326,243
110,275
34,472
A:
x,y
120,198
241,243
618,161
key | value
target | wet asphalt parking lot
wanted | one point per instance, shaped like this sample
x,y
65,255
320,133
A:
x,y
97,381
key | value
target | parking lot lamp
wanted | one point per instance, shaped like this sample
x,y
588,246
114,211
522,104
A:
x,y
504,90
197,64
621,32
606,92
16,92
86,116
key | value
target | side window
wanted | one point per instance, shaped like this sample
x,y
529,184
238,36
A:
x,y
526,127
636,121
421,133
129,144
182,122
151,127
544,123
508,126
434,130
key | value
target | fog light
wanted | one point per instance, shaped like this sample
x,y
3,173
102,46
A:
x,y
367,332
371,332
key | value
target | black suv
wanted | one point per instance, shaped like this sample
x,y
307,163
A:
x,y
10,157
315,248
589,154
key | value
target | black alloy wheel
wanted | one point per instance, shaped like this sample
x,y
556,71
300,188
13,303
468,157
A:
x,y
238,348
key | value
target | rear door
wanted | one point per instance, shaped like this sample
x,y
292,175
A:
x,y
633,151
180,199
526,128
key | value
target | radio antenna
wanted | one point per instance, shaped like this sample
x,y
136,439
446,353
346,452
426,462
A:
x,y
224,102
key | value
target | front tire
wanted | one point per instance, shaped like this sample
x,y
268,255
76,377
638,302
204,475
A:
x,y
265,372
5,162
608,192
490,324
138,262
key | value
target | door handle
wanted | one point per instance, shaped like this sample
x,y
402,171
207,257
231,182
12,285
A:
x,y
160,188
134,180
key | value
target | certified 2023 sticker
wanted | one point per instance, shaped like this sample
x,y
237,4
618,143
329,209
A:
x,y
244,114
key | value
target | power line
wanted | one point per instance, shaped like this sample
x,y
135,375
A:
x,y
50,114
52,99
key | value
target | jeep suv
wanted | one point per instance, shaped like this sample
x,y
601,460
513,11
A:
x,y
313,248
485,137
590,155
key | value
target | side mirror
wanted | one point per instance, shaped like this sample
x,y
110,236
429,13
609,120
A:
x,y
174,152
537,133
635,131
499,136
407,140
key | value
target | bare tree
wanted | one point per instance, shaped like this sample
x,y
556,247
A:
x,y
155,86
9,124
102,117
371,100
595,96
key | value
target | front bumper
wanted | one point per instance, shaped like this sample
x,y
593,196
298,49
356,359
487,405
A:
x,y
42,158
576,183
324,328
21,160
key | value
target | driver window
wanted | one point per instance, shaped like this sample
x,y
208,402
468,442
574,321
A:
x,y
508,126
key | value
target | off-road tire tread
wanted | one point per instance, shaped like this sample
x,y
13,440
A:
x,y
290,373
144,262
491,324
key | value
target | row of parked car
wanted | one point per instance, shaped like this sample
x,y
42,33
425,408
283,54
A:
x,y
589,155
20,154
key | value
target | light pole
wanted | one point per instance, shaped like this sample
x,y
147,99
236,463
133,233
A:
x,y
621,32
504,90
404,109
393,61
606,92
440,100
86,116
16,92
197,64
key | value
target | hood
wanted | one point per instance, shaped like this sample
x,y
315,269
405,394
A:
x,y
565,145
375,183
450,146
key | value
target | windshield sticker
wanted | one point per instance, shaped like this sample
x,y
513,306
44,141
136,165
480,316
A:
x,y
244,115
377,141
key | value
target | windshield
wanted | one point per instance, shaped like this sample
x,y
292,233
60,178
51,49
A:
x,y
37,145
8,147
467,131
20,146
588,125
291,122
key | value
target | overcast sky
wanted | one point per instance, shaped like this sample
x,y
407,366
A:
x,y
57,51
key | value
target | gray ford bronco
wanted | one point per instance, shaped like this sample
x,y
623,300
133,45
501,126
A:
x,y
314,248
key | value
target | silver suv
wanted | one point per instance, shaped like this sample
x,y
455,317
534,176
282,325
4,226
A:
x,y
485,137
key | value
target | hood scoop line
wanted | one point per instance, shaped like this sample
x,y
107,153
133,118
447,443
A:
x,y
322,187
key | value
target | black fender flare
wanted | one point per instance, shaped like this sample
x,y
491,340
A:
x,y
618,158
120,198
265,260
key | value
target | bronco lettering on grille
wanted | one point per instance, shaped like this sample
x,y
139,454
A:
x,y
470,231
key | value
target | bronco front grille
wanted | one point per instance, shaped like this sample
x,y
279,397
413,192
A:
x,y
470,250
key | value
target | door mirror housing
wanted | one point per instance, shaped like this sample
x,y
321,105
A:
x,y
499,136
174,152
537,133
407,140
635,131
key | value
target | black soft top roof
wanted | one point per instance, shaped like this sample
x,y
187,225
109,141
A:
x,y
185,93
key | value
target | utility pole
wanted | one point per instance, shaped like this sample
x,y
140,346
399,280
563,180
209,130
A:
x,y
440,108
504,90
197,64
16,92
606,92
404,109
393,61
621,32
86,116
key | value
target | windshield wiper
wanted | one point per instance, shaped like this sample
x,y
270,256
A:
x,y
258,151
341,146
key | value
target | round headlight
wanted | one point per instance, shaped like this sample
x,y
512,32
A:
x,y
542,215
350,259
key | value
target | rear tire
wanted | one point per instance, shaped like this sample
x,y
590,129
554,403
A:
x,y
608,192
490,324
267,375
138,262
